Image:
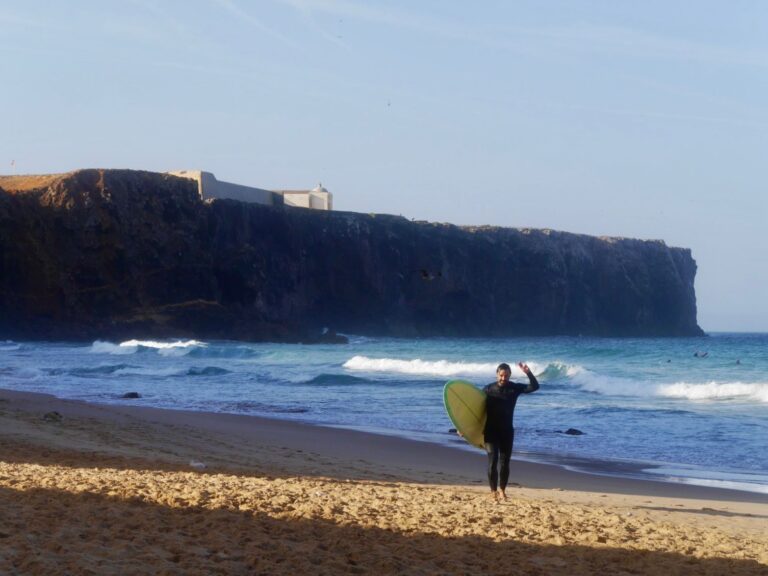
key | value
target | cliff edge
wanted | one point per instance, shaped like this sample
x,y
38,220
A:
x,y
121,253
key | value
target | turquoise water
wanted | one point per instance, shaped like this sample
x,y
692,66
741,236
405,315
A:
x,y
650,401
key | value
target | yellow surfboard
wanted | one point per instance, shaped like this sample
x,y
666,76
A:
x,y
465,405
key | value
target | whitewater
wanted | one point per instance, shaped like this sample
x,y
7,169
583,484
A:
x,y
690,409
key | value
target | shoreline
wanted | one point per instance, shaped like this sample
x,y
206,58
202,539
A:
x,y
409,459
335,392
104,489
615,468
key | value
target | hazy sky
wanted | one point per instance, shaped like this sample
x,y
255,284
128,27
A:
x,y
641,119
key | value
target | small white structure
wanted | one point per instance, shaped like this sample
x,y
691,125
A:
x,y
209,188
318,198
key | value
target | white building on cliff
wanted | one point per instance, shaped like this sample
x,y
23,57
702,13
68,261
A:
x,y
209,187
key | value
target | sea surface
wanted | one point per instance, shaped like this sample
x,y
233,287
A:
x,y
687,410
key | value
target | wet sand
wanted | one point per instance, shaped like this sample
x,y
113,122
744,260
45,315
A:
x,y
130,490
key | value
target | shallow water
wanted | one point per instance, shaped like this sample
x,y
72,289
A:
x,y
645,400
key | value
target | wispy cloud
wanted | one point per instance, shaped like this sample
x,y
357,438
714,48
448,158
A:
x,y
642,44
159,12
367,12
309,18
626,41
234,10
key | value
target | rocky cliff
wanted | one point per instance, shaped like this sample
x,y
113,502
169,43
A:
x,y
118,253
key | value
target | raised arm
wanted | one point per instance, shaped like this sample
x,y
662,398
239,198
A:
x,y
533,384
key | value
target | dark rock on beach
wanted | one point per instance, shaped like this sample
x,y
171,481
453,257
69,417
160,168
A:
x,y
131,395
573,432
120,253
52,417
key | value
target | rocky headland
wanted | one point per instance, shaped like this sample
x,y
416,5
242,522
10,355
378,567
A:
x,y
122,253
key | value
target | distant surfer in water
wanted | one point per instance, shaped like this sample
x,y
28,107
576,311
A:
x,y
501,398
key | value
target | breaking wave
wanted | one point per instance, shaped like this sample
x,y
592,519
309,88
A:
x,y
21,373
176,348
609,385
616,386
752,392
420,367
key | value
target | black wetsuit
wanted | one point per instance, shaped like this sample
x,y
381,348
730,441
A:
x,y
499,430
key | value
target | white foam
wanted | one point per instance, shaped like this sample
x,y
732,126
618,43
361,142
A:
x,y
421,367
101,347
616,386
753,392
750,482
609,385
177,348
9,346
24,374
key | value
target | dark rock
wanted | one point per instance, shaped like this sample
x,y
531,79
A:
x,y
52,417
573,432
452,431
126,254
131,395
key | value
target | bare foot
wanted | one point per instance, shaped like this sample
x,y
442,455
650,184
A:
x,y
503,495
495,496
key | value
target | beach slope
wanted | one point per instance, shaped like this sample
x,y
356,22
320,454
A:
x,y
125,490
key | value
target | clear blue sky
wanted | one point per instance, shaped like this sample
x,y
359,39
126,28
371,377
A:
x,y
641,119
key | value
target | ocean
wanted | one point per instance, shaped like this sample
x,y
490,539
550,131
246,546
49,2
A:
x,y
686,409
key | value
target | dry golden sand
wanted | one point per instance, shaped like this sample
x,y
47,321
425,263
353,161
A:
x,y
114,492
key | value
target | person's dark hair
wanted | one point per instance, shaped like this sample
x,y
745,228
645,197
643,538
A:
x,y
503,366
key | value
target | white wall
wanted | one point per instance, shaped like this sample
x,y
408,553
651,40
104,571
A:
x,y
309,199
299,199
209,187
321,200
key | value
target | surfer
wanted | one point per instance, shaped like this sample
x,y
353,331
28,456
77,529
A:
x,y
499,433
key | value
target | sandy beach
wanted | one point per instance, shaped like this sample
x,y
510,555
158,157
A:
x,y
130,490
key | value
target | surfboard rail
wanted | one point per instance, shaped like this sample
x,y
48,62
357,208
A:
x,y
465,405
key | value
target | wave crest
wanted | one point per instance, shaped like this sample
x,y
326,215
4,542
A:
x,y
609,385
420,367
757,391
151,372
176,348
616,386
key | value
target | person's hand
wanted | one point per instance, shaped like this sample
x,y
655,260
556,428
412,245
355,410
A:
x,y
524,368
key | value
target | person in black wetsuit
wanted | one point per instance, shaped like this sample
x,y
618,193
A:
x,y
501,398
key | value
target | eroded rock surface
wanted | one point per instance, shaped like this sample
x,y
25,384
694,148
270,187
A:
x,y
120,253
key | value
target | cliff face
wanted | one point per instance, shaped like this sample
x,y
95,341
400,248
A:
x,y
116,253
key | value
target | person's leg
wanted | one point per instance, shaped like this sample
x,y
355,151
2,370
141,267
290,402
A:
x,y
492,449
505,454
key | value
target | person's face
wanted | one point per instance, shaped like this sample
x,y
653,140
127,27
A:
x,y
502,376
